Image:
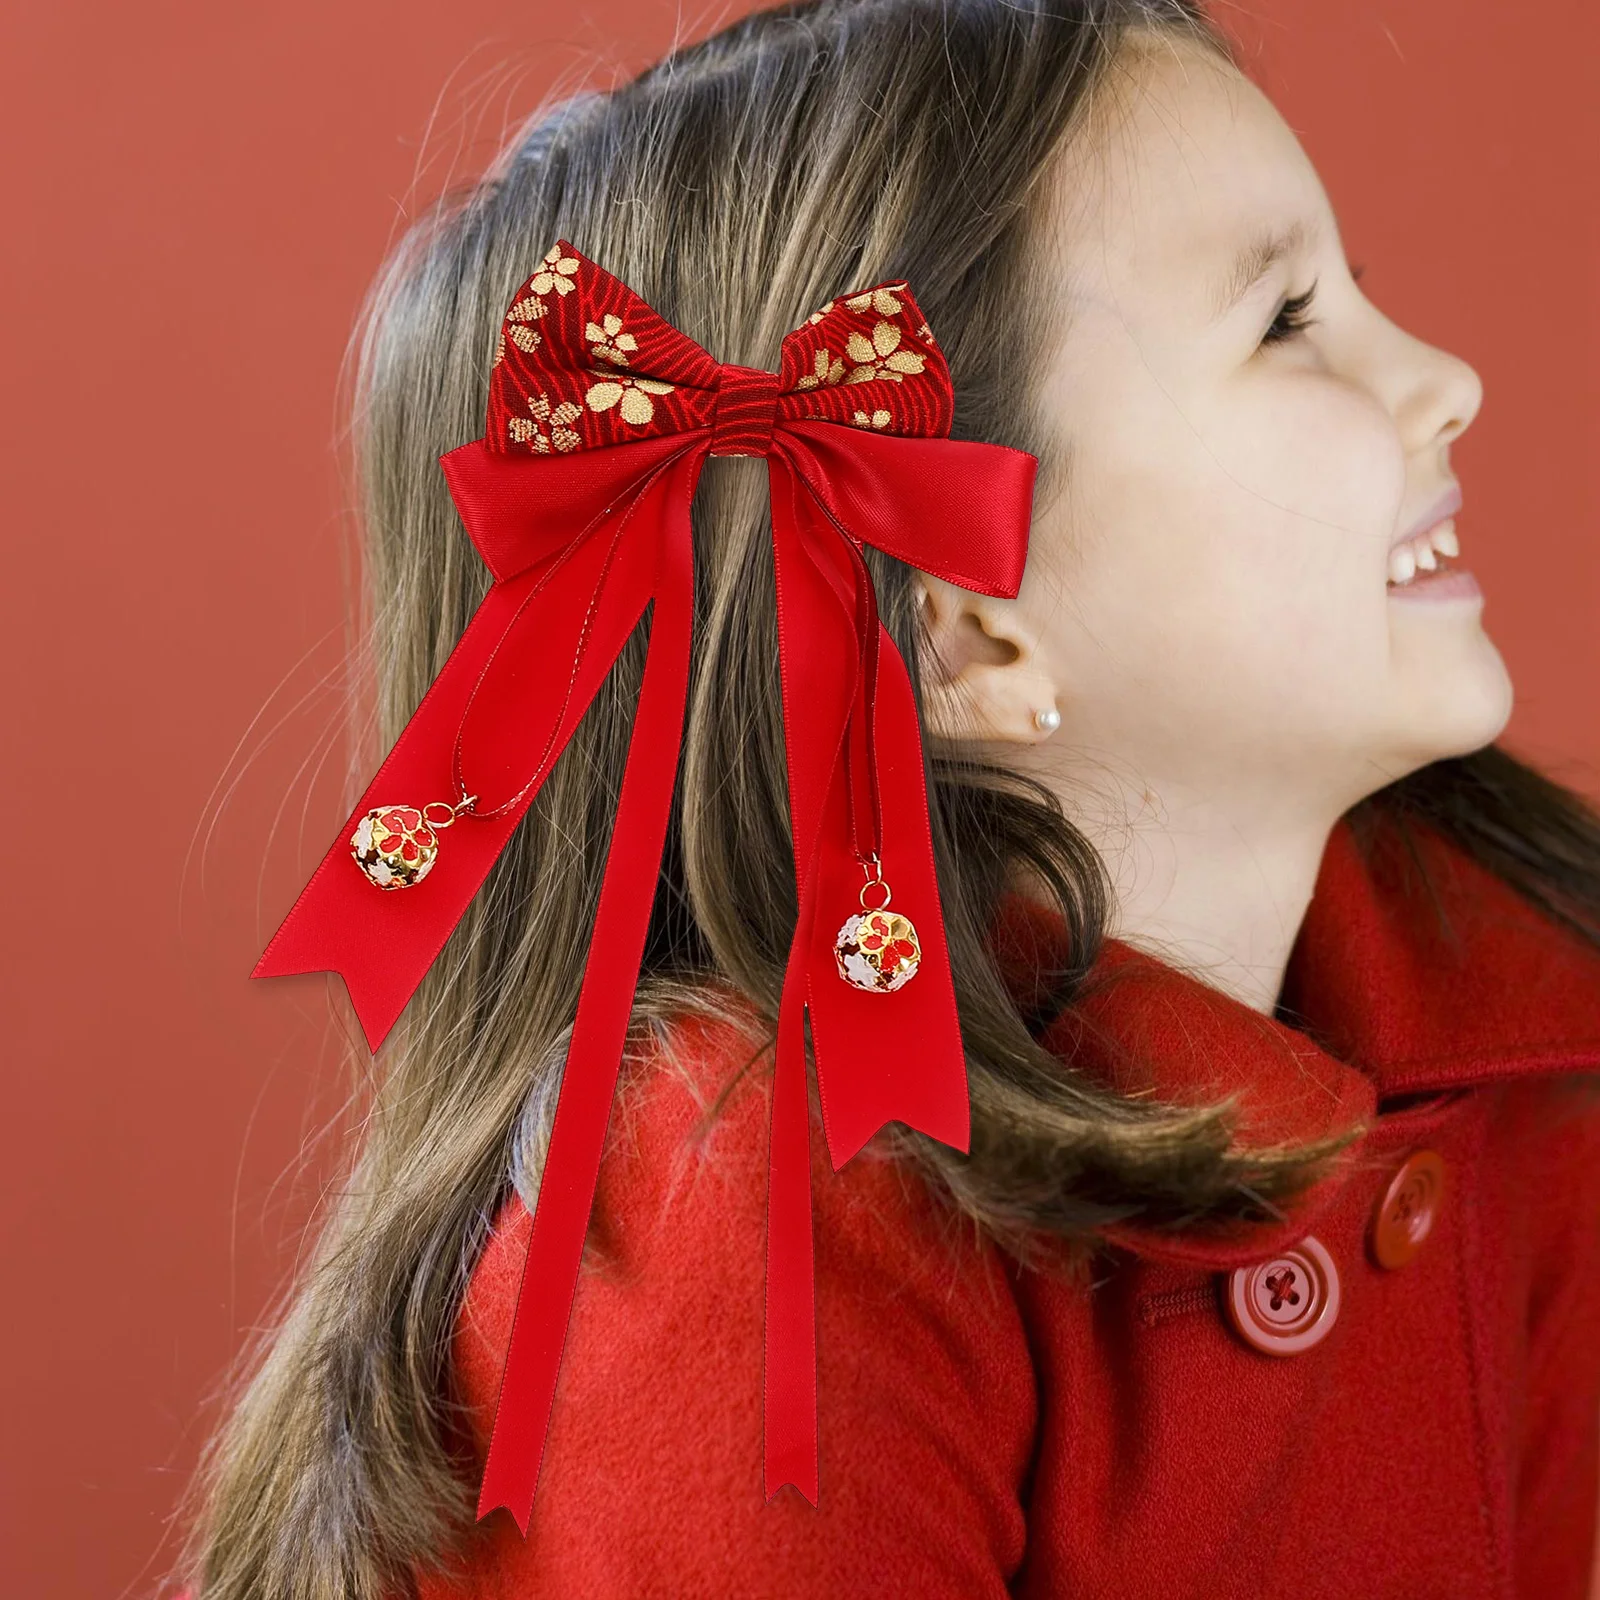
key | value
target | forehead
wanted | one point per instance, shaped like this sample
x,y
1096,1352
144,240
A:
x,y
1181,165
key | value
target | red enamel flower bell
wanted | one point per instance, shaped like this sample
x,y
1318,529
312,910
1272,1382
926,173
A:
x,y
395,846
877,949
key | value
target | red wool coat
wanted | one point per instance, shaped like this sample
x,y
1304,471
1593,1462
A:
x,y
1267,1415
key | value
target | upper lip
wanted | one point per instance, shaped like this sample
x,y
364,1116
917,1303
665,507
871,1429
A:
x,y
1445,506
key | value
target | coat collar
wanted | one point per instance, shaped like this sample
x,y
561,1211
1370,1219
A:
x,y
1400,982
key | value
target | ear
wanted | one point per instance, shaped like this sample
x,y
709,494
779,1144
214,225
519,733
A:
x,y
981,674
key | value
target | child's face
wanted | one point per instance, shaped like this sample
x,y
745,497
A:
x,y
1207,600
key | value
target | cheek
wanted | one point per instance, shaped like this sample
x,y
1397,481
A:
x,y
1231,559
1319,461
1304,497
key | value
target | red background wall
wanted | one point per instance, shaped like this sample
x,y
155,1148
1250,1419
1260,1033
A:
x,y
198,195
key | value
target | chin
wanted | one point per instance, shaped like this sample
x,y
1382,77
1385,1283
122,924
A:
x,y
1462,704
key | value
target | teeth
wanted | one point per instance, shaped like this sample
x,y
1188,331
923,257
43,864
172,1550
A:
x,y
1402,564
1422,553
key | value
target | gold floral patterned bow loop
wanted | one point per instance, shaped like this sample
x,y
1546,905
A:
x,y
581,361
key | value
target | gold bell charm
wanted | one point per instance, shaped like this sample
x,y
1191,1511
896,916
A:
x,y
396,845
877,949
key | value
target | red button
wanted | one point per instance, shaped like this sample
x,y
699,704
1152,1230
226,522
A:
x,y
1405,1216
1287,1303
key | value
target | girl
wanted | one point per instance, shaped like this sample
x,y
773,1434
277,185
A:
x,y
1273,1265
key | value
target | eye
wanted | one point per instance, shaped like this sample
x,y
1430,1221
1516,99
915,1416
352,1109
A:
x,y
1291,318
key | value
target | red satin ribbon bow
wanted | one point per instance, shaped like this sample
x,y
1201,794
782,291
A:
x,y
577,497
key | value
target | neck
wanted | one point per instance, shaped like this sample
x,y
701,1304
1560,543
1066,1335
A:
x,y
1217,889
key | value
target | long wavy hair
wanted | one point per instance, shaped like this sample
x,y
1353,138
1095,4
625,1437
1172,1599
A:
x,y
735,185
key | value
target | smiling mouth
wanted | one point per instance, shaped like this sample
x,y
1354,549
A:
x,y
1429,551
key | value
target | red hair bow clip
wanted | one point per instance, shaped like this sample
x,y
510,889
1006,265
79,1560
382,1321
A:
x,y
577,497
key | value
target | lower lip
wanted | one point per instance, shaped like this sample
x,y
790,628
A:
x,y
1455,584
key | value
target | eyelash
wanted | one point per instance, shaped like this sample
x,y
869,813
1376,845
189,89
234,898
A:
x,y
1291,318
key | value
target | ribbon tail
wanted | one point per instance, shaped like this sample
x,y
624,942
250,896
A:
x,y
560,620
588,1085
901,1053
380,942
895,1057
817,656
906,1059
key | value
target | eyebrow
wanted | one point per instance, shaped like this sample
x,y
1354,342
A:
x,y
1259,255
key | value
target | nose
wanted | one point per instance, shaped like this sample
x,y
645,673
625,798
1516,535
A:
x,y
1438,394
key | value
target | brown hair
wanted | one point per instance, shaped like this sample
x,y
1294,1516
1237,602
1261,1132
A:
x,y
736,185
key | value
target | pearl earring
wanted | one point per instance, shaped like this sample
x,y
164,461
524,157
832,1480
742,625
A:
x,y
1048,720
